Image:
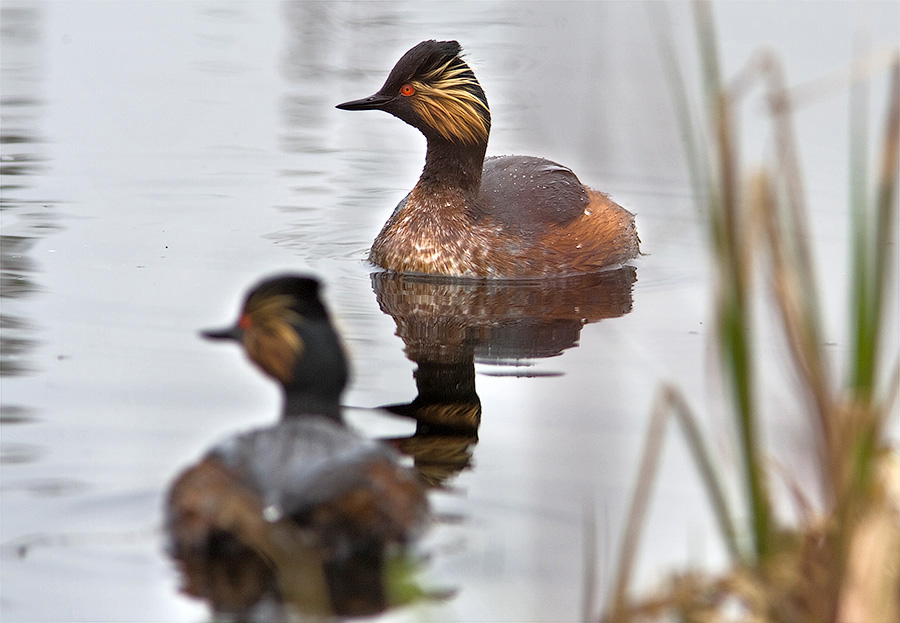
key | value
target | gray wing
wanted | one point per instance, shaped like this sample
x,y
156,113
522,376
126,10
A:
x,y
529,193
300,462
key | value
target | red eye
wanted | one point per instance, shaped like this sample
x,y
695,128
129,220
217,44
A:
x,y
244,322
407,90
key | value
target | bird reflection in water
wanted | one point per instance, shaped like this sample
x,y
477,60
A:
x,y
447,325
305,515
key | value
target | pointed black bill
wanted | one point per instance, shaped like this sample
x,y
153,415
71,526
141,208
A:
x,y
231,333
373,102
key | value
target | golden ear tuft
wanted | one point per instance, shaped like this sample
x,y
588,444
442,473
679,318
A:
x,y
446,98
272,341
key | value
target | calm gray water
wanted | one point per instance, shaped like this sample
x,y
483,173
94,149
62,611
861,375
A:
x,y
160,157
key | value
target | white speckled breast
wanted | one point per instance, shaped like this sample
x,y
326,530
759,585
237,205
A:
x,y
434,235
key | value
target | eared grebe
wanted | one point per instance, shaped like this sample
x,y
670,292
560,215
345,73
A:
x,y
348,495
504,217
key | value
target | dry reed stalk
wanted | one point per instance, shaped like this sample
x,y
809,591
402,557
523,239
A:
x,y
842,563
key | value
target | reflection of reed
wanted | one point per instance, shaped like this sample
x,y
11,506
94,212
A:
x,y
25,219
447,325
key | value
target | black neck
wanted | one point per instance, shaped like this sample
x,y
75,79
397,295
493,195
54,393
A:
x,y
453,165
299,404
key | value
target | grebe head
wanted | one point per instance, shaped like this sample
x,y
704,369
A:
x,y
285,330
433,89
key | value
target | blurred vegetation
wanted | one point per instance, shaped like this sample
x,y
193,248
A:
x,y
840,561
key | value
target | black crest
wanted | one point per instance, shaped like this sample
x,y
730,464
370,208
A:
x,y
303,293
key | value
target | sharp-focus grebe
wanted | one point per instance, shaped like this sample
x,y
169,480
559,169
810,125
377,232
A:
x,y
504,217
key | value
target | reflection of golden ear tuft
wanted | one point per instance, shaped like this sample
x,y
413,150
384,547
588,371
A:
x,y
454,416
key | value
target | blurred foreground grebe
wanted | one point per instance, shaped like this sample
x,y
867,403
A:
x,y
504,217
309,474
